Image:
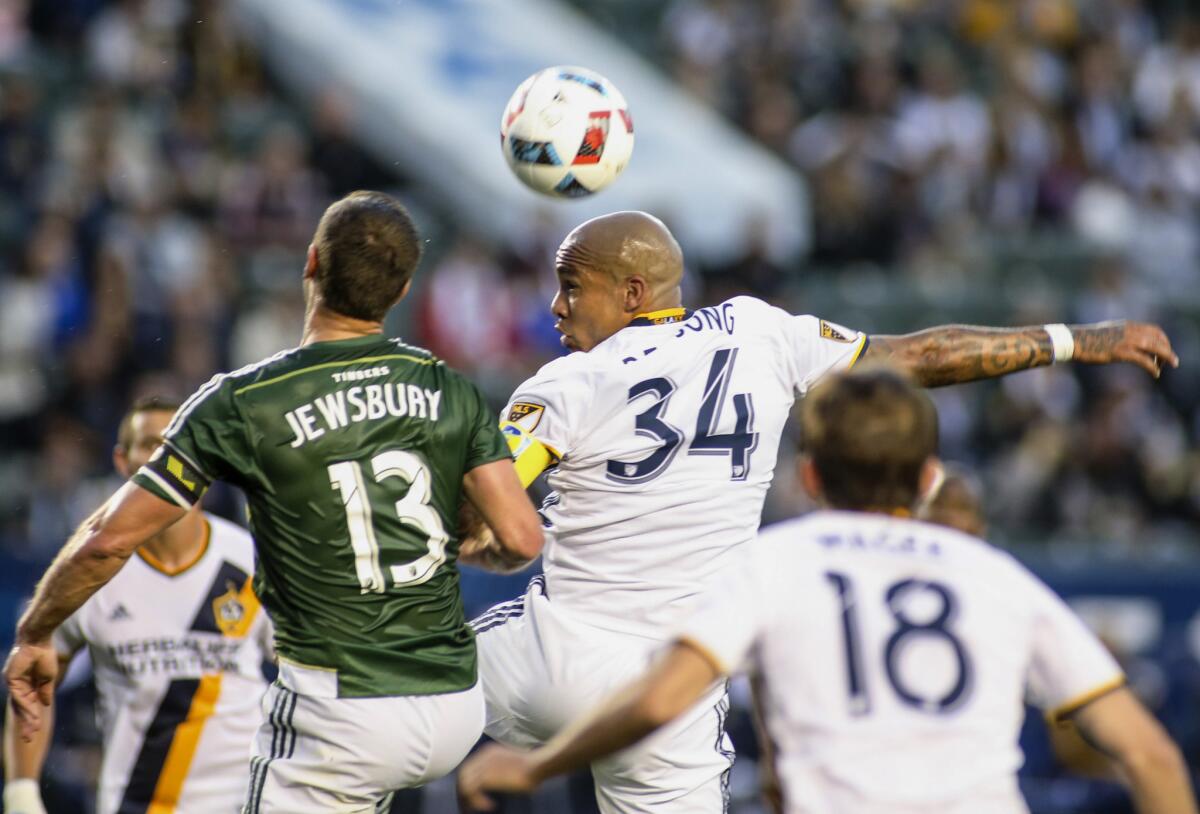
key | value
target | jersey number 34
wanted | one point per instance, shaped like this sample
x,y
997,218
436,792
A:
x,y
738,445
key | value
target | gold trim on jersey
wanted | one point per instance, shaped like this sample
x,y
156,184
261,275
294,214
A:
x,y
362,361
1063,711
705,653
183,746
663,315
862,343
158,566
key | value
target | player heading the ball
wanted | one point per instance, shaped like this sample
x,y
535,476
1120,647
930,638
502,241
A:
x,y
659,438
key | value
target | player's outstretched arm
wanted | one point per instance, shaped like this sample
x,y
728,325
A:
x,y
502,532
674,684
952,354
93,556
1119,726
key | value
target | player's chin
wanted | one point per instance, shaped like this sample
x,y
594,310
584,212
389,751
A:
x,y
569,343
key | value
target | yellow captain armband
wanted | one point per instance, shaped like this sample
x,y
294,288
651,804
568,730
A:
x,y
530,455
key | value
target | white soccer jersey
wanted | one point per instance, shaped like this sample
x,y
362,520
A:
x,y
177,659
896,655
668,434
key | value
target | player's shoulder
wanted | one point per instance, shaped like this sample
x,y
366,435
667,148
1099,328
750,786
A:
x,y
230,540
216,396
253,373
567,375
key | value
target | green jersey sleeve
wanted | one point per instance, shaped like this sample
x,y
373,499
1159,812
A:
x,y
205,441
487,442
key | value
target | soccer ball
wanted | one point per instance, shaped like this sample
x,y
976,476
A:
x,y
566,132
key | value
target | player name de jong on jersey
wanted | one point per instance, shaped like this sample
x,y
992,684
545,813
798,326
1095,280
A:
x,y
667,434
351,454
896,656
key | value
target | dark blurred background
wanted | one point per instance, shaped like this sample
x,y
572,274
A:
x,y
989,161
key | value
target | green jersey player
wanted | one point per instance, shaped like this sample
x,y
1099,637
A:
x,y
354,452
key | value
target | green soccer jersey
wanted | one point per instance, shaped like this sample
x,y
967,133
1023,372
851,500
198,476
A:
x,y
351,454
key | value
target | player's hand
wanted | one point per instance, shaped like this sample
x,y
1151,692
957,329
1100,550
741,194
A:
x,y
22,796
494,768
30,673
1140,343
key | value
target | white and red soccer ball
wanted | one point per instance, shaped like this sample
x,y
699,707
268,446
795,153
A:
x,y
566,132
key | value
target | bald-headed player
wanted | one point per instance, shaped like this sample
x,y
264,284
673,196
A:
x,y
661,437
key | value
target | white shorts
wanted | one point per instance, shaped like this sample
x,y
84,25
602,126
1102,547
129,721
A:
x,y
316,754
540,669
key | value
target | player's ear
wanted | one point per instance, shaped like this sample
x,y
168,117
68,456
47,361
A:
x,y
310,262
933,474
635,294
121,461
403,292
810,479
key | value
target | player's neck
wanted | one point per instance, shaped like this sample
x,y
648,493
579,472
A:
x,y
323,325
663,306
179,545
892,511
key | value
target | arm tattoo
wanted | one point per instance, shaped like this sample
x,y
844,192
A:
x,y
1097,341
961,353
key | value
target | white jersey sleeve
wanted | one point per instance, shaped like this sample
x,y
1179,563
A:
x,y
1069,666
819,347
732,614
550,406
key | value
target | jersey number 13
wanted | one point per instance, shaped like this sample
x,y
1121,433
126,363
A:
x,y
412,510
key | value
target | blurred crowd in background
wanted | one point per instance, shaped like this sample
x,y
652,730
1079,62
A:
x,y
158,191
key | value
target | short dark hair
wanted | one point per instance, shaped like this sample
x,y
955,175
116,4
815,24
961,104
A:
x,y
367,250
146,404
869,432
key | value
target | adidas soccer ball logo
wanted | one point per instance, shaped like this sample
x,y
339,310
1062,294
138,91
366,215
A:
x,y
566,132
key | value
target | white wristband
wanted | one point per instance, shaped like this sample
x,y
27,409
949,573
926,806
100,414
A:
x,y
1062,340
23,796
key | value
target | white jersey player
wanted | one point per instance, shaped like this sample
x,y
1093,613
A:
x,y
177,642
661,441
895,654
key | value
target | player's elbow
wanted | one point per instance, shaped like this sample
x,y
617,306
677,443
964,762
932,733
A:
x,y
529,545
102,545
523,542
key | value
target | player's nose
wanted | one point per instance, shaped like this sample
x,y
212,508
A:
x,y
558,305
